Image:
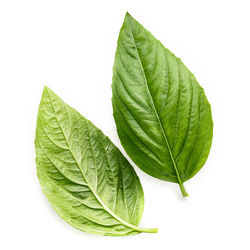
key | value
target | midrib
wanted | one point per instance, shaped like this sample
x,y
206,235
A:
x,y
155,111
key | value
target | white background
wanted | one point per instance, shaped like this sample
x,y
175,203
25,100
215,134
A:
x,y
70,46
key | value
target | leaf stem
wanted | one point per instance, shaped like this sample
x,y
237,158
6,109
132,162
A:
x,y
183,190
147,230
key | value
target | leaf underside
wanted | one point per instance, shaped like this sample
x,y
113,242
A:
x,y
84,176
162,115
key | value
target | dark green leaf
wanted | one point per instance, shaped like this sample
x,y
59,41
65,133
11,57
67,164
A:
x,y
84,176
162,115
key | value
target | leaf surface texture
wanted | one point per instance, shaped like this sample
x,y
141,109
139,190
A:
x,y
84,176
162,115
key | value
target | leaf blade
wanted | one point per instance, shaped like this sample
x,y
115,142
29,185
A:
x,y
74,165
155,101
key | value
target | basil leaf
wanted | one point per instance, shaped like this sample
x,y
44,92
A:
x,y
84,176
162,115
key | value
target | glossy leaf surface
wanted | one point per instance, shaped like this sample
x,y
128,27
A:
x,y
84,176
162,115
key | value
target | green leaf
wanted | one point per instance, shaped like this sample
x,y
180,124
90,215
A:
x,y
162,115
84,176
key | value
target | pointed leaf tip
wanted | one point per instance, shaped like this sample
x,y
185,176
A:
x,y
127,14
46,89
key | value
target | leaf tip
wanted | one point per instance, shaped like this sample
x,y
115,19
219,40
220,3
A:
x,y
47,94
46,89
127,14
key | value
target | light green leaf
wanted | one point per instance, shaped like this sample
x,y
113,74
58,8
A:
x,y
162,115
84,176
